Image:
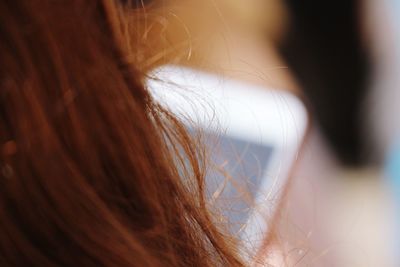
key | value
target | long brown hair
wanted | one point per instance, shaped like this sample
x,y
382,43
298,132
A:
x,y
93,171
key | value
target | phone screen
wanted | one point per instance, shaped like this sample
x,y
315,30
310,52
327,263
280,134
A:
x,y
237,172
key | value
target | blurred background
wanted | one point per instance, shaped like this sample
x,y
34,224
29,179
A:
x,y
341,205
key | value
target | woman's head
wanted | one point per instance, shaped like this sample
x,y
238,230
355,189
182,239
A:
x,y
92,170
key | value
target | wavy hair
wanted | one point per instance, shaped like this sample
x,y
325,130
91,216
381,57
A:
x,y
93,171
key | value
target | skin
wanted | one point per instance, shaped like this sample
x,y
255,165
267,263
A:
x,y
237,39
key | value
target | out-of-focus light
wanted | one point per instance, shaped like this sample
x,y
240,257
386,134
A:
x,y
393,166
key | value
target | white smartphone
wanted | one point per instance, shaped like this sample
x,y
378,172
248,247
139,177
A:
x,y
253,135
